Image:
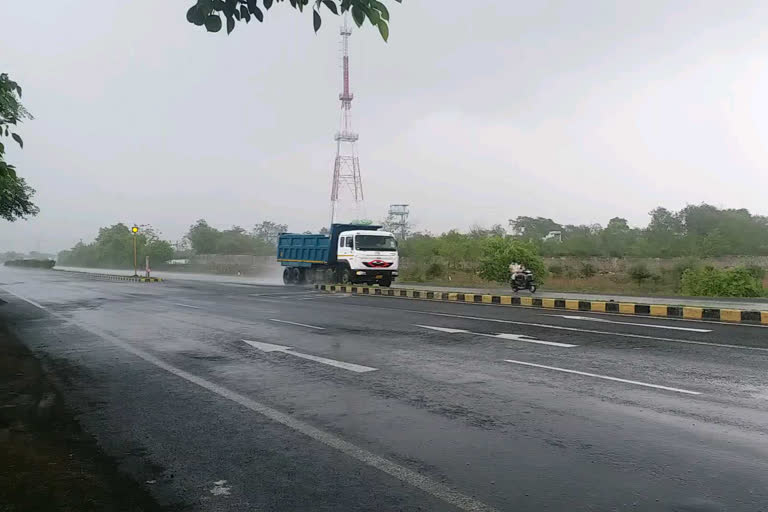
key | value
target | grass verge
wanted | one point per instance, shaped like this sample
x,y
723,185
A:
x,y
48,463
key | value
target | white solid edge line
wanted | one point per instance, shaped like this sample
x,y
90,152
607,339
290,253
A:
x,y
29,301
410,477
613,322
297,323
186,305
605,377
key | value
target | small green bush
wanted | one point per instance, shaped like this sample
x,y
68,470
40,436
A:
x,y
588,270
412,272
675,274
713,282
557,270
684,264
639,272
434,270
571,273
756,271
498,252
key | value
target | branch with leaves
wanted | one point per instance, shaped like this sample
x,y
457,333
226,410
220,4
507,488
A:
x,y
209,13
15,194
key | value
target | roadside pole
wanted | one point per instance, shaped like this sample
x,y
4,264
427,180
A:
x,y
134,230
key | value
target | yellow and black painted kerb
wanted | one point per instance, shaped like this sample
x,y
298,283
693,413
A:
x,y
113,277
648,310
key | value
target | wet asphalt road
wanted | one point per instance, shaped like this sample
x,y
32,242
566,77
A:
x,y
396,404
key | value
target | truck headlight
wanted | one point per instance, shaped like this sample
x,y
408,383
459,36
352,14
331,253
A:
x,y
360,272
394,273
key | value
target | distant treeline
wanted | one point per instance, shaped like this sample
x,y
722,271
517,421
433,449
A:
x,y
113,247
696,230
31,263
260,241
700,231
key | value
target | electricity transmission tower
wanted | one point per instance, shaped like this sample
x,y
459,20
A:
x,y
346,168
398,219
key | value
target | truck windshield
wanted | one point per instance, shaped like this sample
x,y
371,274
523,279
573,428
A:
x,y
375,243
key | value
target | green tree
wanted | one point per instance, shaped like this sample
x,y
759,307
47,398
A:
x,y
499,252
15,194
268,231
534,228
203,238
617,237
114,246
159,251
577,241
209,13
149,243
235,241
664,235
665,221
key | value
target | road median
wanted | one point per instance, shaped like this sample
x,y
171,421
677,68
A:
x,y
112,277
742,316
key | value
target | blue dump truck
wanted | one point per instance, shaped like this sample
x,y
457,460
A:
x,y
351,253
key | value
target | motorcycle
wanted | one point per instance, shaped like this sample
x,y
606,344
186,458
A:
x,y
523,280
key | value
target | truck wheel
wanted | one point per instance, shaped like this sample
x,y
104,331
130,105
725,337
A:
x,y
345,276
385,283
296,276
287,274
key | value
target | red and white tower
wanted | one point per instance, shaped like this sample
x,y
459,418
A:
x,y
346,168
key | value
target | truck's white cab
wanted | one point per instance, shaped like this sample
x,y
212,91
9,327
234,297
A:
x,y
371,255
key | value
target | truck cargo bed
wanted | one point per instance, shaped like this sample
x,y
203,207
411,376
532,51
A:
x,y
302,250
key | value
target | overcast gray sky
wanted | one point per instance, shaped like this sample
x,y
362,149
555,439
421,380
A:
x,y
575,110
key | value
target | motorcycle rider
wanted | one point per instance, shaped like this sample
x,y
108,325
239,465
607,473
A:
x,y
516,269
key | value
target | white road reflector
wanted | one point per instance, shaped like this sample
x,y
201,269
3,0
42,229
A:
x,y
503,336
269,347
652,326
604,377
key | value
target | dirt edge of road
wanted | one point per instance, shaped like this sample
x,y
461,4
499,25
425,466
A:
x,y
48,462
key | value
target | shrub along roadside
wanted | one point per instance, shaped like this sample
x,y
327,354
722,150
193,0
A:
x,y
713,282
498,253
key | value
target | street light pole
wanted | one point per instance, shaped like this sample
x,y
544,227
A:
x,y
135,230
